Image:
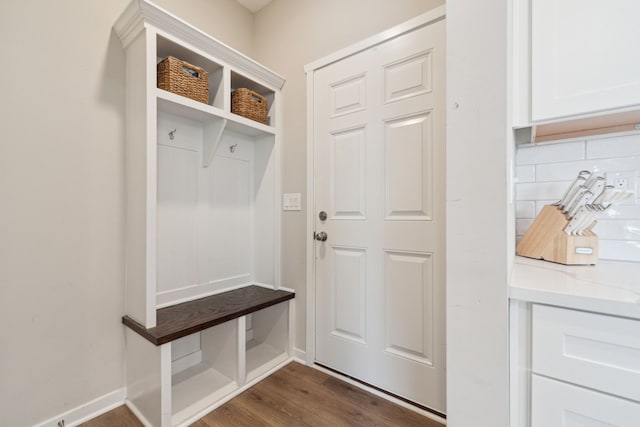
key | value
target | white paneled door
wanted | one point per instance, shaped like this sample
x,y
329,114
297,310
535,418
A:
x,y
379,155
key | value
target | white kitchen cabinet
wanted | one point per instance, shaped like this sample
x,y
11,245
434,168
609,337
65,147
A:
x,y
592,350
203,229
575,58
559,404
573,368
574,344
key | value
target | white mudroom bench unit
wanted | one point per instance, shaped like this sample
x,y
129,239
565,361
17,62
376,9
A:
x,y
206,316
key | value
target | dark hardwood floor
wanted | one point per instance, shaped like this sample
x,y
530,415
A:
x,y
296,395
119,417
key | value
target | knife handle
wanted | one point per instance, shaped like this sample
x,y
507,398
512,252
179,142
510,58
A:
x,y
571,225
597,187
582,201
574,198
603,195
571,191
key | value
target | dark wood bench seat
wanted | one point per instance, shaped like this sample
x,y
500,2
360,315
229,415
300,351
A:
x,y
184,319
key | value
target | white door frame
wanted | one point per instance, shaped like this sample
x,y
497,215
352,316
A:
x,y
422,20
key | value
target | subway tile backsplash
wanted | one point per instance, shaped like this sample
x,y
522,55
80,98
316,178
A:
x,y
550,153
544,171
621,146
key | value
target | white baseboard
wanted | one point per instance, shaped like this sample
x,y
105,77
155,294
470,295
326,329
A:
x,y
88,410
300,356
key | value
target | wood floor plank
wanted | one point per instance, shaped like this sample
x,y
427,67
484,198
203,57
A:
x,y
230,415
383,409
321,406
118,417
296,395
295,399
305,373
368,409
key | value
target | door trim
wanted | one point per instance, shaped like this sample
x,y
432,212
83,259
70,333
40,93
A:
x,y
423,20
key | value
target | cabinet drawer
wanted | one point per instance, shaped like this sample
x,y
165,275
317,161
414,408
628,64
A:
x,y
597,351
556,404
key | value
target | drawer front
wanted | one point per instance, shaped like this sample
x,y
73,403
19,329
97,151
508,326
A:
x,y
558,404
594,350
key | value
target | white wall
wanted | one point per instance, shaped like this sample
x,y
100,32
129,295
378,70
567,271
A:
x,y
544,171
226,20
62,197
288,34
479,222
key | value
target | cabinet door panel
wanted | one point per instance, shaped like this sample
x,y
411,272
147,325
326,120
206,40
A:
x,y
584,57
594,350
558,404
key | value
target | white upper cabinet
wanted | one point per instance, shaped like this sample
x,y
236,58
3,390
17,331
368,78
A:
x,y
585,57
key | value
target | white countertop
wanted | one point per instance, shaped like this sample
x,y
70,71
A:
x,y
610,287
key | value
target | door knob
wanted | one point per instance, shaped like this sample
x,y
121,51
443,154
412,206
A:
x,y
321,236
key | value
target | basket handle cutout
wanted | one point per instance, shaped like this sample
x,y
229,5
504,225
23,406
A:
x,y
257,99
191,72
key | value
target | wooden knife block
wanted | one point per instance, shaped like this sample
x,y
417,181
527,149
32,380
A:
x,y
546,240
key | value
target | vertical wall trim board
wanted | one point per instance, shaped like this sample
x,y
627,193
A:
x,y
479,136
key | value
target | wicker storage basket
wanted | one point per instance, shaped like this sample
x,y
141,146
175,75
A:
x,y
249,104
183,79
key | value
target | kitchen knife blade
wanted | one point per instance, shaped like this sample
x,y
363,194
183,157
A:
x,y
620,196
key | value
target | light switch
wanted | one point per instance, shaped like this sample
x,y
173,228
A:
x,y
291,202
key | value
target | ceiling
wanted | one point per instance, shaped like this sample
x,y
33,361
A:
x,y
254,5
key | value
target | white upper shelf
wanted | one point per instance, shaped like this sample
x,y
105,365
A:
x,y
141,13
188,108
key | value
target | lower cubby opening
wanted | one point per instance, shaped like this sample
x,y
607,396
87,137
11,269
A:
x,y
210,376
268,343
